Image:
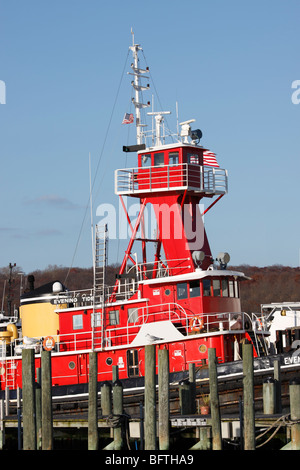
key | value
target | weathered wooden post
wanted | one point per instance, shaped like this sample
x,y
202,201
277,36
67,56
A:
x,y
192,380
248,394
7,400
150,398
93,402
277,378
47,418
19,417
115,373
106,402
185,397
269,396
295,413
118,412
38,407
163,400
214,400
2,425
28,393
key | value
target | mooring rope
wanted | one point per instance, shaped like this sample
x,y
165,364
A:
x,y
283,421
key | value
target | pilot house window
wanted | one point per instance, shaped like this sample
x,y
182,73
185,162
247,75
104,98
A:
x,y
195,288
216,287
206,287
146,160
158,159
173,158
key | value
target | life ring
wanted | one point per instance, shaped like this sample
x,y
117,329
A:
x,y
196,323
48,343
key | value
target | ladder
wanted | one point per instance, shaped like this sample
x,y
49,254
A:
x,y
9,367
100,265
101,237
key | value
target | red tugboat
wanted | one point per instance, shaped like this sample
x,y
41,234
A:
x,y
180,299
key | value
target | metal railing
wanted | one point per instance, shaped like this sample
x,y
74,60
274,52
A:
x,y
204,179
115,335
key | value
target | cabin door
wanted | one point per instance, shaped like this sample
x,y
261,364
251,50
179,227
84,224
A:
x,y
82,368
133,369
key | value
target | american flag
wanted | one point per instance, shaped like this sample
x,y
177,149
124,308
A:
x,y
128,118
209,159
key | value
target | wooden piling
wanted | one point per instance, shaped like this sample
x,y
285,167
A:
x,y
7,401
214,400
93,403
106,399
294,388
2,425
28,393
277,378
269,396
38,408
119,431
47,417
248,394
150,398
19,418
185,397
163,400
192,380
115,373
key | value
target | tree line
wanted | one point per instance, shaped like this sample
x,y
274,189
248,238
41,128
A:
x,y
268,284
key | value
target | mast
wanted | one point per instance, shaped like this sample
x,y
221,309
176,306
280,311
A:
x,y
138,74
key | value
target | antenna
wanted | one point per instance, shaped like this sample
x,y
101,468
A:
x,y
177,118
91,208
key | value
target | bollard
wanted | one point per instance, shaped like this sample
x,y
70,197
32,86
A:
x,y
269,396
93,403
163,400
106,404
28,393
150,398
295,413
248,394
214,400
47,418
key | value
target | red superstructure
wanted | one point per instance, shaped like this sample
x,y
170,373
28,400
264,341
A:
x,y
179,299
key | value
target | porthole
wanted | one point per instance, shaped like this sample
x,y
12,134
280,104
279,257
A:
x,y
109,361
167,292
202,348
72,365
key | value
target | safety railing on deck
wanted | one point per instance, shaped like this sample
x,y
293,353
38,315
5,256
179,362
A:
x,y
197,178
123,336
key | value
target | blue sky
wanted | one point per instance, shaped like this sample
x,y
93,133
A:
x,y
229,65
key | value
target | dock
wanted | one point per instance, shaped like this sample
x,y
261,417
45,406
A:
x,y
247,413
